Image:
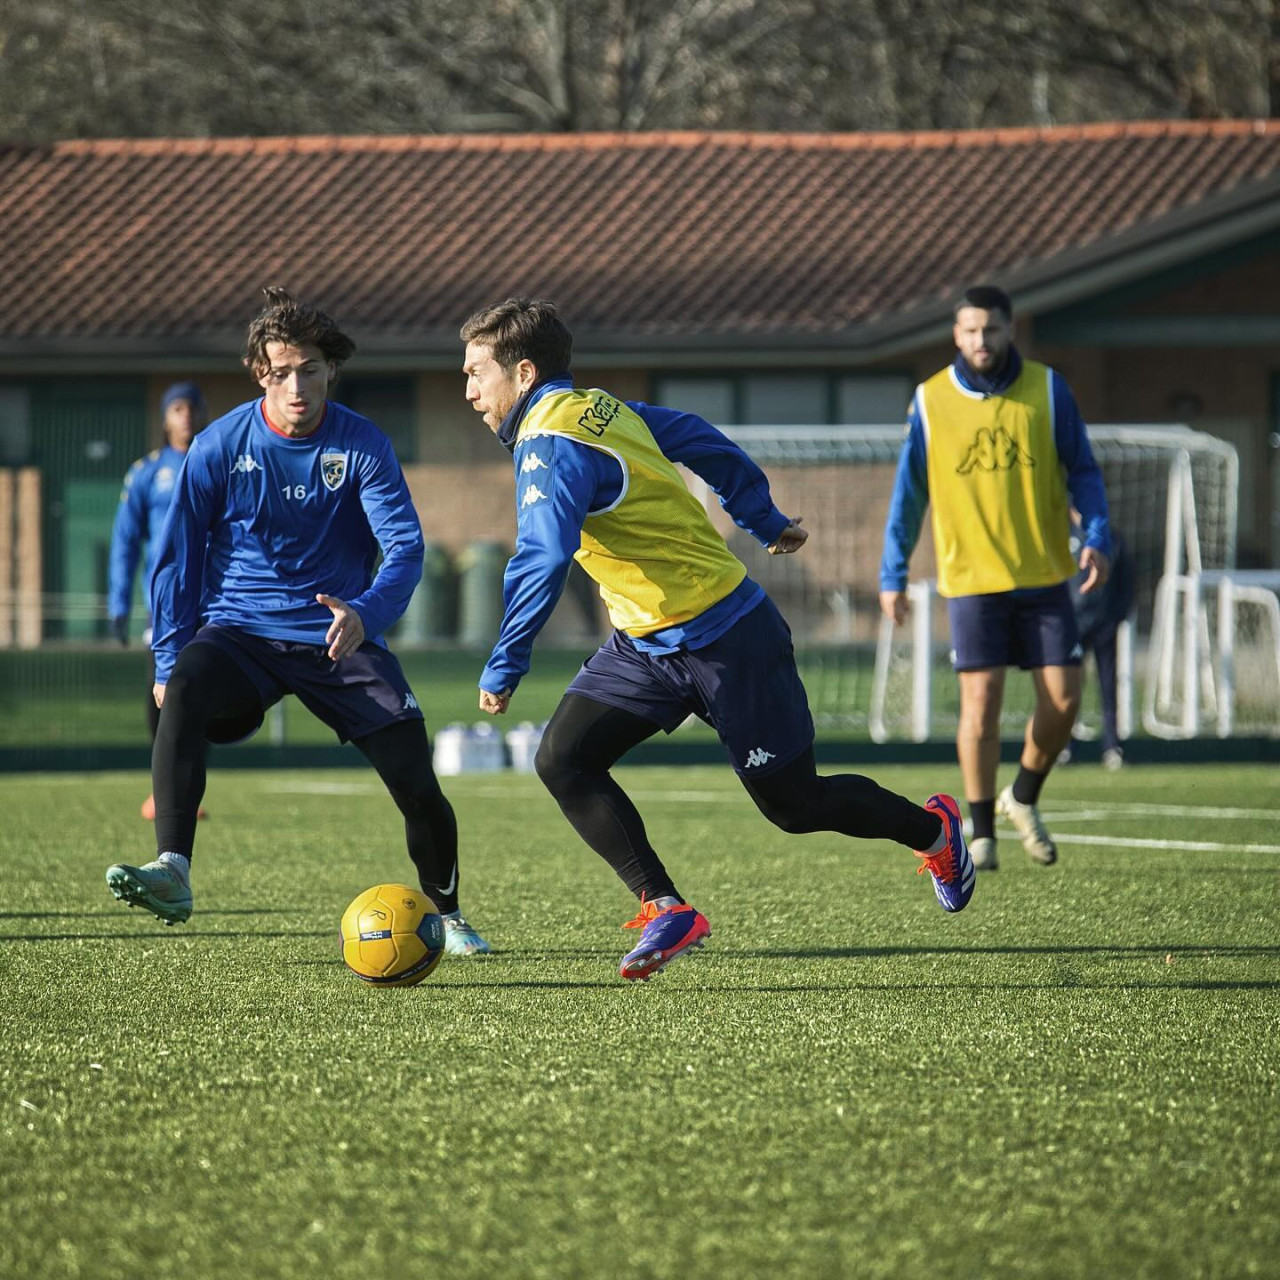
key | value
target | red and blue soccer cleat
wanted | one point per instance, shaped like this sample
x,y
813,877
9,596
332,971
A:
x,y
668,932
952,868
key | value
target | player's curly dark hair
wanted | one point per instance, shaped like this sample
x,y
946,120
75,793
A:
x,y
986,297
284,319
523,329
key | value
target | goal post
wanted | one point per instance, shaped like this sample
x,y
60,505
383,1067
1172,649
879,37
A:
x,y
1172,492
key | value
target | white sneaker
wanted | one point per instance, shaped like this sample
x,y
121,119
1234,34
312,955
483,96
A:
x,y
983,852
460,939
1113,759
1026,820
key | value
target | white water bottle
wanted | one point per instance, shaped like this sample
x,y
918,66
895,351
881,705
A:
x,y
485,751
449,749
522,742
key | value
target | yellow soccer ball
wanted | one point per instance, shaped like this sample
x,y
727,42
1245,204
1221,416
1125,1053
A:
x,y
392,936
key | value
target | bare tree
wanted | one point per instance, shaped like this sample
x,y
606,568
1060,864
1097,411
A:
x,y
72,68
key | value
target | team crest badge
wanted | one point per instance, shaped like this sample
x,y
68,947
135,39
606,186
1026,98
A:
x,y
333,466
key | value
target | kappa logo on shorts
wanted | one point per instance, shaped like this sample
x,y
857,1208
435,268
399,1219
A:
x,y
758,756
1078,651
333,467
410,703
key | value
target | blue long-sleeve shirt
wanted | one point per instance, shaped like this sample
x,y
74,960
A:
x,y
144,503
911,483
261,522
577,480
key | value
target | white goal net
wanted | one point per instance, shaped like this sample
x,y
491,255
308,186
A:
x,y
1162,482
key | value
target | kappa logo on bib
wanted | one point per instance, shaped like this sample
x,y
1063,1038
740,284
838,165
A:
x,y
333,467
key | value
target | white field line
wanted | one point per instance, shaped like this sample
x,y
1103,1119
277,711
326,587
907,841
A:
x,y
1145,810
1189,846
1110,813
307,787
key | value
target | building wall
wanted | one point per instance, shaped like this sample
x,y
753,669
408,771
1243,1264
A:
x,y
1223,391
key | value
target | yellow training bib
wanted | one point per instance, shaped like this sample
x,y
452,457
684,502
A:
x,y
996,487
654,552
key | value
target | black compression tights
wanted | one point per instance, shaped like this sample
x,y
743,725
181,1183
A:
x,y
208,685
402,756
205,685
585,739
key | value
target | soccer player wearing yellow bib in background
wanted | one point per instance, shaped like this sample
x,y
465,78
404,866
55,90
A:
x,y
693,634
995,444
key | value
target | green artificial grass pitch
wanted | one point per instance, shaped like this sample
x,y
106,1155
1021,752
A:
x,y
1075,1077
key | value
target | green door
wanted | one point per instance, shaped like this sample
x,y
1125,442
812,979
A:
x,y
90,510
85,432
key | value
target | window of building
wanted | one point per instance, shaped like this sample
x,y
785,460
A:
x,y
391,402
789,399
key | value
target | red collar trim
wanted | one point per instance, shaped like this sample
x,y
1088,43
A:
x,y
271,426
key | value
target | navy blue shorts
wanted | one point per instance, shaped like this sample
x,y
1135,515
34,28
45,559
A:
x,y
1028,629
362,693
744,685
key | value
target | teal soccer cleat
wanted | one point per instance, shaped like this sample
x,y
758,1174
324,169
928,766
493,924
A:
x,y
460,939
157,887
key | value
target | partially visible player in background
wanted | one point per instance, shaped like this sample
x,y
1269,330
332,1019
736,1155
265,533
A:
x,y
149,486
995,444
596,483
1098,616
264,585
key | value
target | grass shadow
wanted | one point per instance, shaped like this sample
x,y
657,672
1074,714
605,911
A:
x,y
1100,949
111,911
166,934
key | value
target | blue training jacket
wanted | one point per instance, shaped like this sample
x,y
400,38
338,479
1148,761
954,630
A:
x,y
261,522
144,503
579,480
911,485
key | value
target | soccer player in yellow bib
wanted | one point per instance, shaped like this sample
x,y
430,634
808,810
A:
x,y
596,483
995,444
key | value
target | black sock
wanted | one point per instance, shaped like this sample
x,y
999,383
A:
x,y
983,813
1026,786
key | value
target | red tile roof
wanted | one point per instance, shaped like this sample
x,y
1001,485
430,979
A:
x,y
640,237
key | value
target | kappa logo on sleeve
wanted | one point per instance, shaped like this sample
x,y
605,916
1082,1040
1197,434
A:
x,y
532,463
531,495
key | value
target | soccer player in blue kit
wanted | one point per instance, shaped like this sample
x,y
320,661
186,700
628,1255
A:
x,y
596,483
264,585
144,502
